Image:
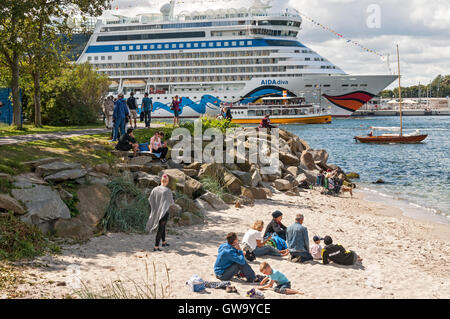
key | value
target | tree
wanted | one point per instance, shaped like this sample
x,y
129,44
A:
x,y
28,27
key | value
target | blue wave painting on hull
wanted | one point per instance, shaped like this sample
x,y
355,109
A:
x,y
265,91
199,107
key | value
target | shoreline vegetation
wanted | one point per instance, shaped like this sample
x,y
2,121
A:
x,y
403,257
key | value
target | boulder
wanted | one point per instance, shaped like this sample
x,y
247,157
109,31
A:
x,y
175,211
43,205
203,205
380,181
153,168
128,167
245,177
215,201
187,205
289,159
146,180
192,187
311,176
7,203
6,177
352,175
186,184
293,170
308,161
319,156
282,185
172,164
55,167
254,193
65,195
97,178
246,201
92,205
231,166
256,179
189,172
291,179
27,180
103,168
70,174
231,182
188,219
195,165
42,161
140,160
230,199
211,170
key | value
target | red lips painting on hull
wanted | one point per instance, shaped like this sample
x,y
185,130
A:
x,y
352,101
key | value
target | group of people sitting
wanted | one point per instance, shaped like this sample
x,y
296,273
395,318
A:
x,y
277,240
330,180
157,145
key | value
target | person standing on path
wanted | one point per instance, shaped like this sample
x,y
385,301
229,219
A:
x,y
132,105
108,109
176,110
119,115
298,241
147,108
161,198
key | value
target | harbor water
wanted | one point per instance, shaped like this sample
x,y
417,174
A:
x,y
416,176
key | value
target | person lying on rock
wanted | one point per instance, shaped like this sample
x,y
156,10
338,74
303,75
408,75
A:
x,y
127,142
253,241
338,254
231,261
275,226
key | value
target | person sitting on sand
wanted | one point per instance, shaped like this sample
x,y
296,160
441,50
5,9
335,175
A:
x,y
127,142
230,261
274,276
275,226
161,198
253,241
316,249
338,254
158,146
298,241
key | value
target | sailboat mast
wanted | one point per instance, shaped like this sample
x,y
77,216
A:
x,y
400,92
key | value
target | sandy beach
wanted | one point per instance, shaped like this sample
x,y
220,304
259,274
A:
x,y
403,258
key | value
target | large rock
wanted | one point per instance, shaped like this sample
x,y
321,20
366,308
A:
x,y
293,170
289,159
228,180
92,205
230,199
175,211
319,156
190,172
7,203
7,177
245,177
42,161
307,160
192,187
253,193
141,160
103,168
189,219
183,183
282,185
27,180
70,174
123,167
153,168
231,182
187,205
55,167
43,205
311,176
256,179
203,205
215,201
195,165
146,180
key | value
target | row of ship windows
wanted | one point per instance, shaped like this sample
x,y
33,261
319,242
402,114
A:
x,y
199,63
197,71
183,45
328,85
203,55
200,25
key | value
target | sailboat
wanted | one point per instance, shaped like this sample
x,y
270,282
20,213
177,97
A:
x,y
412,138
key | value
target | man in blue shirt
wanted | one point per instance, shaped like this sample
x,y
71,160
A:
x,y
230,261
147,108
119,115
298,241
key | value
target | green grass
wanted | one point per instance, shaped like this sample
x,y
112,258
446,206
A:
x,y
7,130
87,150
213,185
21,241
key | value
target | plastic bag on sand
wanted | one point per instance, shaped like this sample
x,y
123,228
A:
x,y
196,284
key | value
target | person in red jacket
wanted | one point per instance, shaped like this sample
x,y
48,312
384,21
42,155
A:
x,y
176,110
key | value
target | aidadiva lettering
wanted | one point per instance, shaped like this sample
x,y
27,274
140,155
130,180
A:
x,y
274,82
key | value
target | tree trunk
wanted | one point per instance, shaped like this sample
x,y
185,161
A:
x,y
37,98
17,104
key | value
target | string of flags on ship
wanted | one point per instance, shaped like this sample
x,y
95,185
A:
x,y
382,56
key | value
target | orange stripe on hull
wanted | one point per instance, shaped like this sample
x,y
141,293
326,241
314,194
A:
x,y
348,104
308,120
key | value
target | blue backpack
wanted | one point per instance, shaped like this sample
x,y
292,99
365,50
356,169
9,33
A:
x,y
280,242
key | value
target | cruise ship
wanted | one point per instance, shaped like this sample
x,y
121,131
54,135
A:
x,y
216,57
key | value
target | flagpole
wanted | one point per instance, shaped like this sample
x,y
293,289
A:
x,y
400,92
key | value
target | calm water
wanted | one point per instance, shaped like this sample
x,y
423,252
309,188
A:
x,y
417,174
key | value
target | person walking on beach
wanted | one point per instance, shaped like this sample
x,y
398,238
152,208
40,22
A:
x,y
253,241
161,198
147,108
275,226
231,261
298,241
338,254
132,105
119,115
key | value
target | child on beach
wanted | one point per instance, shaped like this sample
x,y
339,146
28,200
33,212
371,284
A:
x,y
316,249
274,276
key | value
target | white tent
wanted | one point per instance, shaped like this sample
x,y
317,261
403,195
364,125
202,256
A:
x,y
393,102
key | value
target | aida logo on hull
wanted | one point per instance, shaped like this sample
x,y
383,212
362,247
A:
x,y
274,82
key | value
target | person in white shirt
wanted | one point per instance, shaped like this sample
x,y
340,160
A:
x,y
316,249
254,242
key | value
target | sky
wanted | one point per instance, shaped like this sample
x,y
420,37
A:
x,y
421,28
